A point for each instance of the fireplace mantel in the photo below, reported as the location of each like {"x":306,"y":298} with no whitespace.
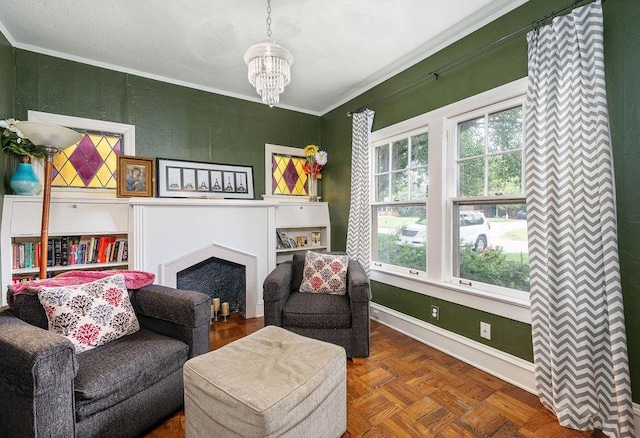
{"x":164,"y":229}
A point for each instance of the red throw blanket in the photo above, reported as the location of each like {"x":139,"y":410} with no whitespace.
{"x":132,"y":279}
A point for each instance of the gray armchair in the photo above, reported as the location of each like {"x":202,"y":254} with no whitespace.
{"x":340,"y":319}
{"x":119,"y":389}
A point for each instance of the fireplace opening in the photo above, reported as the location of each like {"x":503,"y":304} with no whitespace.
{"x":217,"y":278}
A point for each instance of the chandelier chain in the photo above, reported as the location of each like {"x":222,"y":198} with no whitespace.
{"x":269,"y":19}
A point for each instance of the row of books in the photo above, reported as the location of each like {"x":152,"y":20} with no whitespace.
{"x":71,"y":250}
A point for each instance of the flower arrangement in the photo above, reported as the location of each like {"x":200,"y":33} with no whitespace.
{"x":316,"y":160}
{"x":14,"y":141}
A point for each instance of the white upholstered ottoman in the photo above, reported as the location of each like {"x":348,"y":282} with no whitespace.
{"x":270,"y":383}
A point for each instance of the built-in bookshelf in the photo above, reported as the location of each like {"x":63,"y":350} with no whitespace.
{"x":83,"y":234}
{"x":302,"y":227}
{"x":69,"y":252}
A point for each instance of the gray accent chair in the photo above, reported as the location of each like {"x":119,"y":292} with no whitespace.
{"x":120,"y":389}
{"x":340,"y":319}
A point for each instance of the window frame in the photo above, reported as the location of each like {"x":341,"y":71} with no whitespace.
{"x":129,"y":136}
{"x":269,"y":151}
{"x":374,"y":204}
{"x":437,"y":282}
{"x":454,"y":199}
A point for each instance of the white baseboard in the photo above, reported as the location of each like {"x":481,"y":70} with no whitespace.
{"x":509,"y":368}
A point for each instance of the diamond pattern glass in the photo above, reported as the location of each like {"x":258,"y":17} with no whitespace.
{"x":91,"y":163}
{"x":288,"y":175}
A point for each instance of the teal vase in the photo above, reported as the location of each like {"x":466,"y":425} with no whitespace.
{"x":25,"y":181}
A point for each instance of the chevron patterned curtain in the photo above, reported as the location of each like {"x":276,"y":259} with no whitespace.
{"x":359,"y":226}
{"x":579,"y":338}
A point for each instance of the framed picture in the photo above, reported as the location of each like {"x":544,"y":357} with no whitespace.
{"x":194,"y":179}
{"x":136,"y":176}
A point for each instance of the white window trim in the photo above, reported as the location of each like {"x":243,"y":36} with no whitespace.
{"x":452,"y":137}
{"x":128,"y":132}
{"x":438,"y":280}
{"x":269,"y":150}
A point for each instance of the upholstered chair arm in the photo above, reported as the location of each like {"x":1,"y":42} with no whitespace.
{"x":181,"y":314}
{"x":358,"y":286}
{"x":276,"y":291}
{"x":36,"y":382}
{"x":359,"y":291}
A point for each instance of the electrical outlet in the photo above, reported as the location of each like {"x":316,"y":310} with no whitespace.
{"x":435,"y":313}
{"x":485,"y":330}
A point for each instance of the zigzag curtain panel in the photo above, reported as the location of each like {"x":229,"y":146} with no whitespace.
{"x":359,"y":225}
{"x":579,"y":338}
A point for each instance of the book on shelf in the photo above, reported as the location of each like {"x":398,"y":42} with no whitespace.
{"x":125,"y":251}
{"x":57,"y":251}
{"x":103,"y":248}
{"x":85,"y":249}
{"x":38,"y":254}
{"x":120,"y":244}
{"x":50,"y":252}
{"x":64,"y":250}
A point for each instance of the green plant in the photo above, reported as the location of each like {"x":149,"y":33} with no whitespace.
{"x":389,"y":251}
{"x":14,"y":141}
{"x":492,"y":266}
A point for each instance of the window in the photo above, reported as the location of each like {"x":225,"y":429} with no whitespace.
{"x":448,"y":209}
{"x":489,"y":234}
{"x":284,"y":171}
{"x":89,"y":167}
{"x":401,"y":181}
{"x":91,"y":163}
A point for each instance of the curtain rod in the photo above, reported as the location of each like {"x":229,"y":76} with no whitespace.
{"x":436,"y":73}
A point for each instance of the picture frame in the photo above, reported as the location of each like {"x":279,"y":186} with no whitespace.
{"x":197,"y":179}
{"x":136,"y":177}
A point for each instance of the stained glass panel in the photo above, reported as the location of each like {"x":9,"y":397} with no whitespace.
{"x":288,"y":175}
{"x":91,"y":163}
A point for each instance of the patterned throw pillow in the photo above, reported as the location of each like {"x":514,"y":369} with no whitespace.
{"x":90,"y":314}
{"x":324,"y":273}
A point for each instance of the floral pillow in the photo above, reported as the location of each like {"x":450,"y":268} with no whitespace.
{"x":90,"y":314}
{"x":325,"y":273}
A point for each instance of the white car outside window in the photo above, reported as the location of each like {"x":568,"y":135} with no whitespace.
{"x":474,"y":230}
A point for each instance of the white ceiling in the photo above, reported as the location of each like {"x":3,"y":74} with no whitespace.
{"x":341,"y":47}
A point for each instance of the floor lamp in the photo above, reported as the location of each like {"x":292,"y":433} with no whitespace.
{"x":51,"y":139}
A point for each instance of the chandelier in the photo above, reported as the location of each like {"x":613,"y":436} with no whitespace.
{"x":269,"y":66}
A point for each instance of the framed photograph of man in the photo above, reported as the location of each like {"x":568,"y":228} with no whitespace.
{"x":194,"y":179}
{"x":136,"y":176}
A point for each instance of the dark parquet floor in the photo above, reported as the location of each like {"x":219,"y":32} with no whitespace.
{"x":408,"y":389}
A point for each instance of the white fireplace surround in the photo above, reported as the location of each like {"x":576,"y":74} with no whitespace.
{"x":168,"y":274}
{"x":163,"y":231}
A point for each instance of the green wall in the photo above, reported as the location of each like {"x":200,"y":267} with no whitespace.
{"x":7,"y":93}
{"x":171,"y":121}
{"x":499,"y":65}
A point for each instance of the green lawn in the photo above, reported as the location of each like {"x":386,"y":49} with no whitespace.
{"x":519,"y":234}
{"x":395,"y":221}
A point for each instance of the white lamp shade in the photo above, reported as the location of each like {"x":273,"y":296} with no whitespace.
{"x":45,"y":134}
